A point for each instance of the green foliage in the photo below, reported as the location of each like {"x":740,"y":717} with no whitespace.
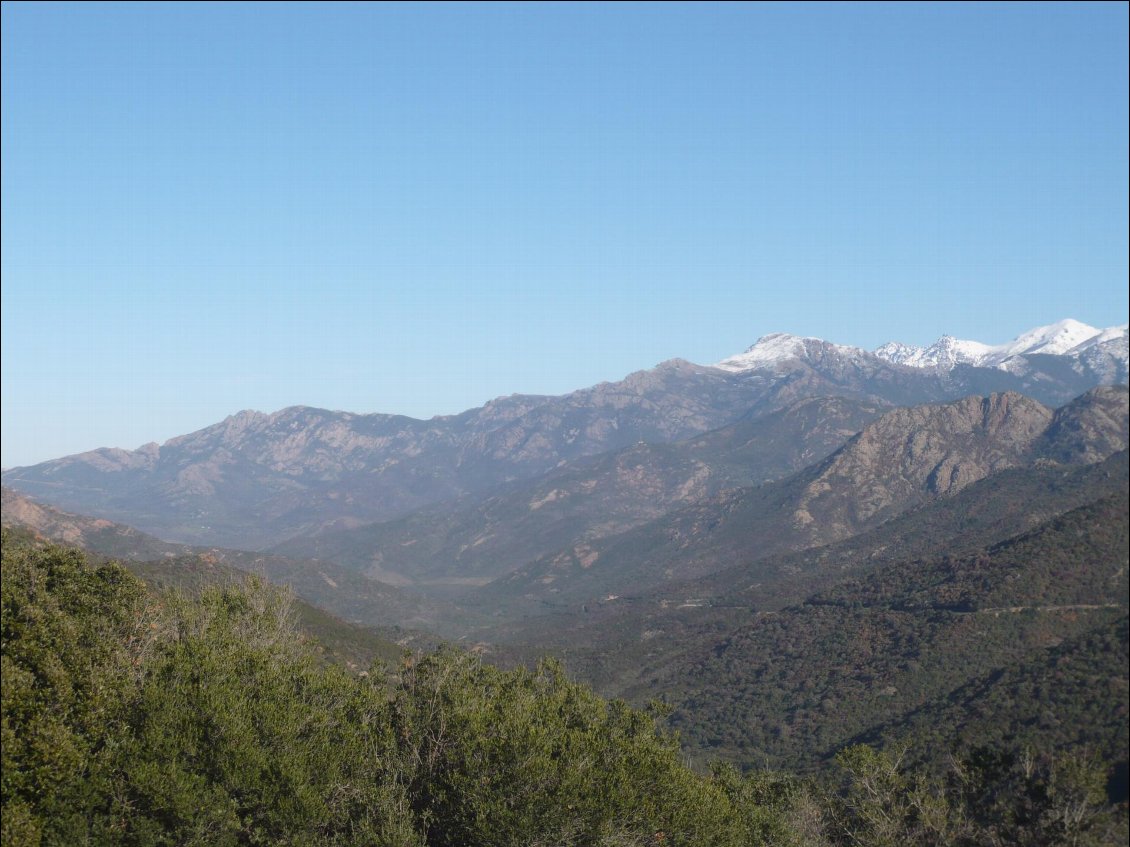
{"x":528,"y":757}
{"x":881,"y":805}
{"x":1073,"y":696}
{"x":992,"y":796}
{"x":72,"y":637}
{"x":241,"y":736}
{"x":211,"y":720}
{"x":206,"y":721}
{"x":776,"y":808}
{"x":1025,"y":798}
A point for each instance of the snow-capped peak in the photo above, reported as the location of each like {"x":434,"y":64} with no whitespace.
{"x":946,"y":352}
{"x":1054,"y":340}
{"x":1113,"y":333}
{"x":779,"y":347}
{"x":1066,"y":337}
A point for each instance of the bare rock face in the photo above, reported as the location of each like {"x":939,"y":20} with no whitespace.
{"x":1089,"y":428}
{"x":910,"y":454}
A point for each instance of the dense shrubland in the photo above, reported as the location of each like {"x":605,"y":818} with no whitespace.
{"x":130,"y":718}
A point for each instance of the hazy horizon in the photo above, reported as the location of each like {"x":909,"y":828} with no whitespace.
{"x":413,"y":209}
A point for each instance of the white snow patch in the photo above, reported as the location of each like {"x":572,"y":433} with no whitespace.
{"x":1099,"y":348}
{"x":1064,"y":338}
{"x":780,"y":347}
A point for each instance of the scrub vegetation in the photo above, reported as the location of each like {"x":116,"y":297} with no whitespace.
{"x":133,"y":717}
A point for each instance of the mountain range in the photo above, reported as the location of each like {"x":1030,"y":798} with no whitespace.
{"x":1102,"y":352}
{"x":904,"y":460}
{"x":800,"y":547}
{"x":1098,"y":353}
{"x":256,"y":480}
{"x":942,"y":610}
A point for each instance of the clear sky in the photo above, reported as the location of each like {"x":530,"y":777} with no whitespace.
{"x":416,"y":208}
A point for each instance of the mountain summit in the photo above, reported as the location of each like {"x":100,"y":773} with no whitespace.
{"x":779,"y":347}
{"x":1099,"y":355}
{"x":1069,"y":338}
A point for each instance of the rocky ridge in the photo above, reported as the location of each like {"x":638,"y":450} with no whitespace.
{"x":255,"y":479}
{"x":902,"y":461}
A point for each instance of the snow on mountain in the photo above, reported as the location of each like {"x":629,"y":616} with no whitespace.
{"x":1054,"y":340}
{"x":779,"y":347}
{"x":897,"y":352}
{"x":1107,"y":355}
{"x":1064,"y":338}
{"x":1114,"y":333}
{"x":946,"y":352}
{"x":1100,"y":350}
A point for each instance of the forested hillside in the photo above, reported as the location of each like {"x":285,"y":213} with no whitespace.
{"x":129,"y":718}
{"x":919,"y":638}
{"x":138,"y":718}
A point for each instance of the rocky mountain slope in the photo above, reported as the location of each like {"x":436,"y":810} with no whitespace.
{"x":789,"y":658}
{"x":654,"y":622}
{"x":472,"y":543}
{"x":903,"y":460}
{"x":258,"y":479}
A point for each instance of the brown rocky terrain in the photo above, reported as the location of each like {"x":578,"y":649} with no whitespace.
{"x":904,"y":460}
{"x":472,"y":542}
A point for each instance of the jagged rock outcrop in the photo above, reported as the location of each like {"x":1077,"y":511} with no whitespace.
{"x":924,"y":451}
{"x":1089,"y":428}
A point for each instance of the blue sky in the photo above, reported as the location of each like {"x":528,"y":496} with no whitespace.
{"x":416,"y":208}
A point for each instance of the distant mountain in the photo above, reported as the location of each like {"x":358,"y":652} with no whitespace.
{"x":861,"y":639}
{"x":1101,"y":352}
{"x":338,"y":590}
{"x":255,"y":480}
{"x":258,"y":479}
{"x":1006,"y":504}
{"x":903,"y":460}
{"x":669,"y":616}
{"x":471,"y":543}
{"x":1068,"y":338}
